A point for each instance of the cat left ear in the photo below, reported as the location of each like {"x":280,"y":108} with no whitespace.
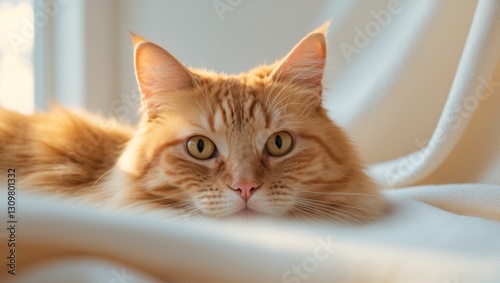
{"x":158,"y":74}
{"x":305,"y":64}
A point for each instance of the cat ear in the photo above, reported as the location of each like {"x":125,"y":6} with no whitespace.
{"x":158,"y":73}
{"x":305,"y":64}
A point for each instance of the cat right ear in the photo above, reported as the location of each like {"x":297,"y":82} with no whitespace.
{"x":158,"y":74}
{"x":305,"y":64}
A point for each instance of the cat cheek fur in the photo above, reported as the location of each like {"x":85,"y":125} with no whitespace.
{"x":322,"y":177}
{"x":171,"y":178}
{"x":272,"y":201}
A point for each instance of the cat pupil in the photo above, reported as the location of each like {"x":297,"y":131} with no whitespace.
{"x":200,"y":145}
{"x":278,"y":141}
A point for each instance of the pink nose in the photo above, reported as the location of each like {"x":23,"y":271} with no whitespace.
{"x":245,"y":189}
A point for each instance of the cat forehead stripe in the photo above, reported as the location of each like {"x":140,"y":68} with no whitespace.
{"x":319,"y":176}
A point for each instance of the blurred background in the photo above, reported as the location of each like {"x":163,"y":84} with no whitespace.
{"x":395,"y":69}
{"x":79,"y":53}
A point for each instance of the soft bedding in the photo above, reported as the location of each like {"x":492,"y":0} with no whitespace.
{"x":435,"y":152}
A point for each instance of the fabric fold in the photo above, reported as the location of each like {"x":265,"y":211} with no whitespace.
{"x":470,"y":87}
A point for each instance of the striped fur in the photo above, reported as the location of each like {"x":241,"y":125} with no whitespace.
{"x":321,"y":177}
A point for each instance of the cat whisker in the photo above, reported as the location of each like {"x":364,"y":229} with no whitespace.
{"x":346,"y":215}
{"x":309,"y":67}
{"x":349,"y":219}
{"x":274,"y":84}
{"x":375,"y":213}
{"x":339,"y":193}
{"x":281,"y":92}
{"x":98,"y":179}
{"x":272,"y":106}
{"x":279,"y":101}
{"x":328,"y":204}
{"x":326,"y":213}
{"x":299,"y":213}
{"x":203,"y":91}
{"x":289,"y":104}
{"x":163,"y":198}
{"x":326,"y":219}
{"x":195,"y":215}
{"x":325,"y":204}
{"x":320,"y":217}
{"x":227,"y":109}
{"x":177,"y":204}
{"x":268,"y":92}
{"x":184,"y":210}
{"x":187,"y":214}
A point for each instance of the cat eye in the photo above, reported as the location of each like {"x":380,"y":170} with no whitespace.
{"x":279,"y":143}
{"x":200,"y":147}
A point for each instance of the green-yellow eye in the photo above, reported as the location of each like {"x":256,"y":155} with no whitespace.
{"x":279,"y":143}
{"x":200,"y":147}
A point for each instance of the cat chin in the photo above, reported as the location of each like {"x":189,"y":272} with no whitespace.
{"x":244,"y":211}
{"x":246,"y":214}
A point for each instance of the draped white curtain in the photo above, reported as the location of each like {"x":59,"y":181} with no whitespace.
{"x":473,"y":86}
{"x":417,"y":85}
{"x":419,"y":96}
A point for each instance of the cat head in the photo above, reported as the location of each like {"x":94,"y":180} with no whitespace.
{"x":216,"y":144}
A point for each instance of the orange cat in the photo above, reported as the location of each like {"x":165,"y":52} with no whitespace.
{"x":208,"y":144}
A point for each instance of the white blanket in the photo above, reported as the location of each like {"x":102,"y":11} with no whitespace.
{"x":419,"y":93}
{"x":416,"y":242}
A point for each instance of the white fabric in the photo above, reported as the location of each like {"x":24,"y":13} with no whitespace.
{"x":479,"y":59}
{"x":416,"y":242}
{"x":423,"y":75}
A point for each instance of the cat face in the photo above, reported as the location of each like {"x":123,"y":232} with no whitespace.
{"x":216,"y":145}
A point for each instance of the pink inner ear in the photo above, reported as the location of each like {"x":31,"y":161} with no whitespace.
{"x":158,"y":73}
{"x":305,"y":64}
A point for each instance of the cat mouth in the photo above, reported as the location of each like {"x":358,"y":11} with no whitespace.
{"x":247,"y":212}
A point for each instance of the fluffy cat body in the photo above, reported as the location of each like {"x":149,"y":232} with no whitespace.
{"x":207,"y":144}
